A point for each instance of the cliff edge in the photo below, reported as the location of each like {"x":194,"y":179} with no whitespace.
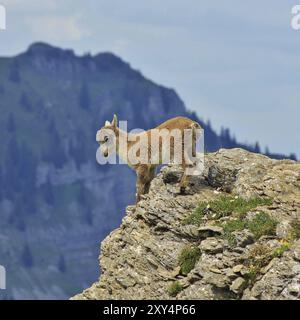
{"x":235,"y":235}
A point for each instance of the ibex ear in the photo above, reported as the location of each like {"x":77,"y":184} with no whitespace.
{"x":114,"y":121}
{"x":107,"y":124}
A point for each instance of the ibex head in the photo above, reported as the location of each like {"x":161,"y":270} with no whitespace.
{"x":107,"y":137}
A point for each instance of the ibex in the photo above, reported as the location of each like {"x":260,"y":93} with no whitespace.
{"x":111,"y":138}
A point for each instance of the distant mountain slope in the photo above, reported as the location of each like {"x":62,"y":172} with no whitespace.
{"x":55,"y":201}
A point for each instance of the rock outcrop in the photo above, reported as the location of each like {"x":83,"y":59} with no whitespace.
{"x":251,"y":251}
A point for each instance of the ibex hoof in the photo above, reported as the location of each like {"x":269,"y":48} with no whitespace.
{"x":182,"y":190}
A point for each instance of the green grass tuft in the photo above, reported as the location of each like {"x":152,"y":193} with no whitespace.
{"x":225,"y":206}
{"x":278,"y":252}
{"x":231,"y":226}
{"x":258,"y":257}
{"x":296,"y":233}
{"x":251,"y":275}
{"x":188,"y":258}
{"x":296,"y":228}
{"x":262,"y":224}
{"x":174,"y":288}
{"x":234,"y":225}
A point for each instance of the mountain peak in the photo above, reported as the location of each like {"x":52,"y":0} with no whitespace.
{"x":103,"y":60}
{"x":110,"y":59}
{"x":42,"y":48}
{"x":39,"y":46}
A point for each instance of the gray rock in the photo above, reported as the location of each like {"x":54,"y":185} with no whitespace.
{"x":139,"y":260}
{"x":216,"y":280}
{"x":243,"y":238}
{"x":212,"y":245}
{"x":283,"y":229}
{"x":170,"y":176}
{"x":238,"y":268}
{"x":297,"y":251}
{"x":238,"y":285}
{"x":294,"y":289}
{"x":190,"y":231}
{"x":219,"y":179}
{"x":209,"y":231}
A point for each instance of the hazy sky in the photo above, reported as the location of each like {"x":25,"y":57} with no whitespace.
{"x":235,"y":63}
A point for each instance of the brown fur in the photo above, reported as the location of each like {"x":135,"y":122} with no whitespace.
{"x":146,"y":172}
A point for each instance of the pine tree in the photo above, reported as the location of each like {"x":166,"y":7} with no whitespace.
{"x":267,"y":151}
{"x":25,"y":103}
{"x":88,"y":216}
{"x":257,"y":148}
{"x":1,"y":183}
{"x":21,"y":226}
{"x":62,"y":267}
{"x":78,"y":149}
{"x":84,"y":97}
{"x":55,"y":152}
{"x":27,"y":257}
{"x":27,"y":170}
{"x":11,"y":162}
{"x":225,"y":138}
{"x":293,"y":156}
{"x":11,"y":126}
{"x":81,"y":198}
{"x":16,"y":213}
{"x":48,"y":192}
{"x":30,"y":203}
{"x":14,"y":73}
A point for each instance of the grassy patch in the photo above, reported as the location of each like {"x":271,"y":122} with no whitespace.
{"x":278,"y":252}
{"x":225,"y":206}
{"x":251,"y":275}
{"x":234,"y":225}
{"x":188,"y":258}
{"x":231,"y":226}
{"x":296,"y":228}
{"x":197,"y":215}
{"x":174,"y":288}
{"x":262,"y":224}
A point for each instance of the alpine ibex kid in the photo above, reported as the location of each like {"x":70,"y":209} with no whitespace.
{"x":180,"y":135}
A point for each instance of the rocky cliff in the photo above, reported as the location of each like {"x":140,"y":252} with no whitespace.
{"x":235,"y":235}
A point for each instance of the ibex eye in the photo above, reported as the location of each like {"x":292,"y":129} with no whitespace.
{"x":105,"y":138}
